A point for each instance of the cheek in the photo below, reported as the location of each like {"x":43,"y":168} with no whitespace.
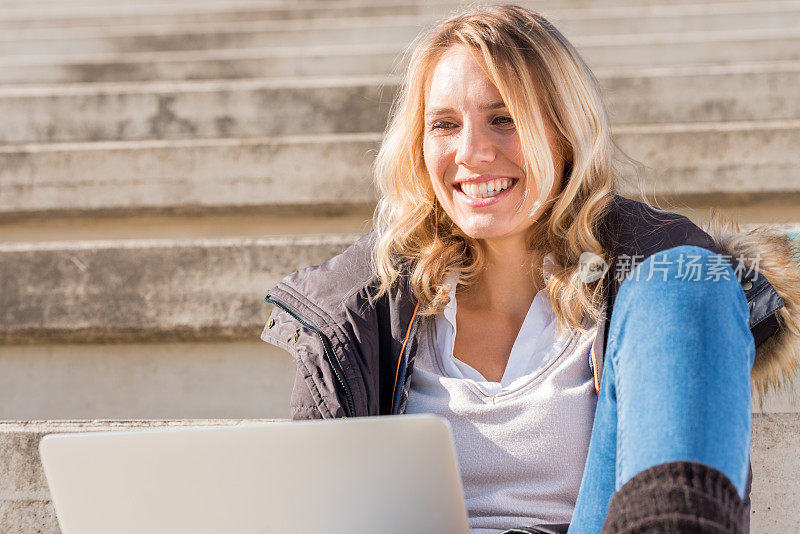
{"x":513,"y":150}
{"x":429,"y":156}
{"x":435,"y":157}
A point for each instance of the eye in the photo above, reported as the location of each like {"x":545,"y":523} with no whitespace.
{"x":504,"y":120}
{"x":441,"y":125}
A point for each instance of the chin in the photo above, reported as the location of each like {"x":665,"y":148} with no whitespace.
{"x":486,"y":232}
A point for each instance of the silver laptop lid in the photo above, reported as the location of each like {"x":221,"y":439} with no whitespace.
{"x":394,"y":474}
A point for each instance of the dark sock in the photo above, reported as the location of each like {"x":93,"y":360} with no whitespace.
{"x":676,"y":497}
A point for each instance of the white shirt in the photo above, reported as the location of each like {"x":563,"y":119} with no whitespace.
{"x":535,"y":345}
{"x":522,"y":450}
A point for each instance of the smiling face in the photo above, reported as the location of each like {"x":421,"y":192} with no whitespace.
{"x":473,"y":154}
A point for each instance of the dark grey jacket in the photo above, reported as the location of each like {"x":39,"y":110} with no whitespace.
{"x":355,"y":357}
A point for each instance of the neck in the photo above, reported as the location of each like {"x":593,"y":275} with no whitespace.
{"x":506,"y":284}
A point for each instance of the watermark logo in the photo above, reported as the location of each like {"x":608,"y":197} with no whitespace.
{"x":591,"y":267}
{"x":688,"y":267}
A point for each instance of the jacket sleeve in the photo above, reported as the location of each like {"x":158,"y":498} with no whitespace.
{"x":301,"y":403}
{"x":280,"y":331}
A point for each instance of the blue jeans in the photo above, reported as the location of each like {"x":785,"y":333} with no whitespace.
{"x":676,"y":379}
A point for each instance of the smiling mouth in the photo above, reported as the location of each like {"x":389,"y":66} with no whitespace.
{"x":486,"y":189}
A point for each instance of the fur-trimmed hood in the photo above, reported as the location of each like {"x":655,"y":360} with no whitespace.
{"x":764,"y":258}
{"x":768,"y":250}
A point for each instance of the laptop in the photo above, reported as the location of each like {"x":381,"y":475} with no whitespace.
{"x":389,"y":475}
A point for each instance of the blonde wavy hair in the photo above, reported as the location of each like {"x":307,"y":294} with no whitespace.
{"x":541,"y":77}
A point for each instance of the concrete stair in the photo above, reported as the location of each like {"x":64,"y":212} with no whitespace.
{"x":592,"y":17}
{"x":689,"y":48}
{"x":157,"y":289}
{"x":179,"y":35}
{"x":687,"y":159}
{"x":295,"y":106}
{"x":107,"y":185}
{"x":163,"y":163}
{"x":26,"y":504}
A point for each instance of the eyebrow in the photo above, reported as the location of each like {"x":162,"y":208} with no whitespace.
{"x":443,"y":110}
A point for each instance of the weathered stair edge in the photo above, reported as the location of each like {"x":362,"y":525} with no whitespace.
{"x":296,"y":106}
{"x":59,"y":17}
{"x":26,"y":508}
{"x":720,"y":158}
{"x":339,"y":60}
{"x":573,"y":22}
{"x":153,"y":290}
{"x":150,"y":290}
{"x":386,"y":33}
{"x":128,"y":8}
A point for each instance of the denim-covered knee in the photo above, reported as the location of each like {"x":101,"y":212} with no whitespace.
{"x":686,"y":285}
{"x":682,"y":352}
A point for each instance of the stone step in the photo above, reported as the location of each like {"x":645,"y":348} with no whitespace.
{"x":714,"y":159}
{"x":226,"y":108}
{"x":260,"y":223}
{"x":316,"y":171}
{"x":158,"y":379}
{"x":186,"y":13}
{"x":25,"y":498}
{"x":47,"y":14}
{"x":583,"y":21}
{"x":279,"y":62}
{"x":109,"y":6}
{"x":148,"y":380}
{"x":695,"y":48}
{"x":143,"y":14}
{"x":140,"y":290}
{"x":289,"y":106}
{"x":149,"y":290}
{"x":747,"y":209}
{"x":397,"y":30}
{"x":142,"y":329}
{"x":331,"y":171}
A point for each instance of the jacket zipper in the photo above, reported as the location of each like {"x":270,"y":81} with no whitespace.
{"x":327,"y":349}
{"x":412,"y":332}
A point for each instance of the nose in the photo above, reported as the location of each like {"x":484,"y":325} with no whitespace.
{"x":475,"y":147}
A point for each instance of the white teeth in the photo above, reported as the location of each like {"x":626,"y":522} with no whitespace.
{"x":486,"y":189}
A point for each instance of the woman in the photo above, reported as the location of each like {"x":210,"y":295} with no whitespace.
{"x":485,"y":295}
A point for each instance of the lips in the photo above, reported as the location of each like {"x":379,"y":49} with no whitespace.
{"x":478,"y":202}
